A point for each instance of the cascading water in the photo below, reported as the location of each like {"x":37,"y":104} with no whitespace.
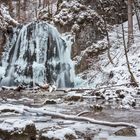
{"x":37,"y":53}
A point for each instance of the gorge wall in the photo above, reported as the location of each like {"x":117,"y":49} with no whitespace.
{"x":84,"y":19}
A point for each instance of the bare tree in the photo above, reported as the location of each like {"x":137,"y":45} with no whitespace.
{"x":130,"y":24}
{"x":107,"y":35}
{"x":18,"y":4}
{"x":39,"y":5}
{"x":25,"y":9}
{"x":10,"y":7}
{"x":137,"y":11}
{"x":133,"y":80}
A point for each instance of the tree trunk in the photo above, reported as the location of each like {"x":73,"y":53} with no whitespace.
{"x":10,"y":7}
{"x":39,"y":4}
{"x":130,"y":24}
{"x":18,"y":9}
{"x":137,"y":11}
{"x":24,"y":8}
{"x":133,"y":80}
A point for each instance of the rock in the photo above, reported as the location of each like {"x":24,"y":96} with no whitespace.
{"x":120,"y":94}
{"x":138,"y":92}
{"x":65,"y":134}
{"x":74,"y":98}
{"x":2,"y":42}
{"x":128,"y":100}
{"x":49,"y":102}
{"x":96,"y":108}
{"x":126,"y":132}
{"x":17,"y":130}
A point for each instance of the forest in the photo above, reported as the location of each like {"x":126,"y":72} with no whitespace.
{"x":69,"y":69}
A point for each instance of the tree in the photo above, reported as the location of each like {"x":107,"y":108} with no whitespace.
{"x":18,"y":4}
{"x":137,"y":11}
{"x":10,"y":7}
{"x":132,"y":78}
{"x":130,"y":24}
{"x":39,"y":5}
{"x":107,"y":35}
{"x":24,"y":8}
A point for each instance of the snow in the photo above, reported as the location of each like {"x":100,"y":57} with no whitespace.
{"x":60,"y":134}
{"x":99,"y":72}
{"x":100,"y":68}
{"x":74,"y":13}
{"x":6,"y":15}
{"x":17,"y":125}
{"x":97,"y":75}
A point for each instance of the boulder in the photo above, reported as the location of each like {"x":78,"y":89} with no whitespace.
{"x":126,"y":132}
{"x":74,"y":98}
{"x":17,"y":130}
{"x":65,"y":134}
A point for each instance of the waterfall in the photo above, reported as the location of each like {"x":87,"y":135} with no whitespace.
{"x":37,"y":54}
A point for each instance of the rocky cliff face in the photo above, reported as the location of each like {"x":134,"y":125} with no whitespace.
{"x":113,"y":11}
{"x":85,"y":19}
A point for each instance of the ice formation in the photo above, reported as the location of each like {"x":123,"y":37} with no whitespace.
{"x":37,"y":53}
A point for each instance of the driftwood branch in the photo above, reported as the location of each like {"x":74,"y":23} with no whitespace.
{"x":78,"y":118}
{"x":82,"y":113}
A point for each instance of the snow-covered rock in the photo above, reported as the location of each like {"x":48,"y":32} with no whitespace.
{"x":61,"y":134}
{"x":17,"y":129}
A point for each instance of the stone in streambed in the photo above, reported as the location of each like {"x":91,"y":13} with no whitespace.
{"x":126,"y":132}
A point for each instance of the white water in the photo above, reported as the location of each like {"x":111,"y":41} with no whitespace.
{"x":37,"y":53}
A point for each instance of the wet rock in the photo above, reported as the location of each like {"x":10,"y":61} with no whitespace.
{"x":74,"y":98}
{"x":138,"y":92}
{"x":126,"y":132}
{"x":8,"y":110}
{"x":17,"y":130}
{"x":49,"y":102}
{"x":120,"y":93}
{"x":96,"y":108}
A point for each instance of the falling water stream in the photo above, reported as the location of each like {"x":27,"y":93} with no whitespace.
{"x":37,"y":53}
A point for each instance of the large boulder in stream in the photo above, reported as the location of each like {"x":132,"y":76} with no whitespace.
{"x":126,"y":132}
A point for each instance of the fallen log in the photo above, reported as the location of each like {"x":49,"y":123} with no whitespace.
{"x":18,"y":88}
{"x":78,"y":118}
{"x":93,"y":89}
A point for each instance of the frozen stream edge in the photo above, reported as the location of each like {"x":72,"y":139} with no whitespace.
{"x":54,"y":124}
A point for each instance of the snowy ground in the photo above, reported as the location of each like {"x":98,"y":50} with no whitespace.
{"x":100,"y":67}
